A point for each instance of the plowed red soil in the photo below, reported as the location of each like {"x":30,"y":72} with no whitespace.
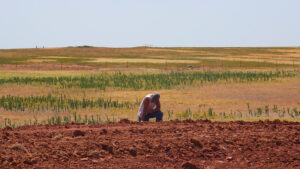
{"x":186,"y":144}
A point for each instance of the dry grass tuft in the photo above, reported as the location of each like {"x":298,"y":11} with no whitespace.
{"x":59,"y":136}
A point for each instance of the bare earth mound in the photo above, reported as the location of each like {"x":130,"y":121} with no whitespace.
{"x":187,"y":144}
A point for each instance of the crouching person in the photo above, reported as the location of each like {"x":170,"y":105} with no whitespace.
{"x":150,"y":108}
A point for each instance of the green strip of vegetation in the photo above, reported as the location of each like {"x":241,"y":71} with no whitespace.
{"x":259,"y":112}
{"x":58,"y":104}
{"x":253,"y":115}
{"x":149,"y":81}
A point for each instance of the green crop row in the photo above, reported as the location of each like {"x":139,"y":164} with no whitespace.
{"x":210,"y":114}
{"x":42,"y":103}
{"x":259,"y":112}
{"x":148,"y":81}
{"x":59,"y":120}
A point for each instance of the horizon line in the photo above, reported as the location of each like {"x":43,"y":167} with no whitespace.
{"x":148,"y":46}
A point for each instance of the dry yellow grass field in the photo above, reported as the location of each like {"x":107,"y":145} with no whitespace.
{"x":145,"y":57}
{"x":220,"y":96}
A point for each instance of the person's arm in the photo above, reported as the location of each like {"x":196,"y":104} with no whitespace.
{"x":157,"y":106}
{"x":144,"y":112}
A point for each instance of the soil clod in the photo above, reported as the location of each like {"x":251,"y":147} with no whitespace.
{"x":77,"y":133}
{"x":196,"y":142}
{"x":19,"y":147}
{"x":125,"y":121}
{"x":188,"y":165}
{"x":133,"y":152}
{"x":103,"y":131}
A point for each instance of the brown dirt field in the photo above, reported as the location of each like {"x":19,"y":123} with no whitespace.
{"x":175,"y":144}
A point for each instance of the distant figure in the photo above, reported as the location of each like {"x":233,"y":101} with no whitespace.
{"x":150,"y":108}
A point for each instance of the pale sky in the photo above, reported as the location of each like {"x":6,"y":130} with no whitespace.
{"x":128,"y":23}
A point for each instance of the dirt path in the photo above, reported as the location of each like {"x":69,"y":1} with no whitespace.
{"x":186,"y":144}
